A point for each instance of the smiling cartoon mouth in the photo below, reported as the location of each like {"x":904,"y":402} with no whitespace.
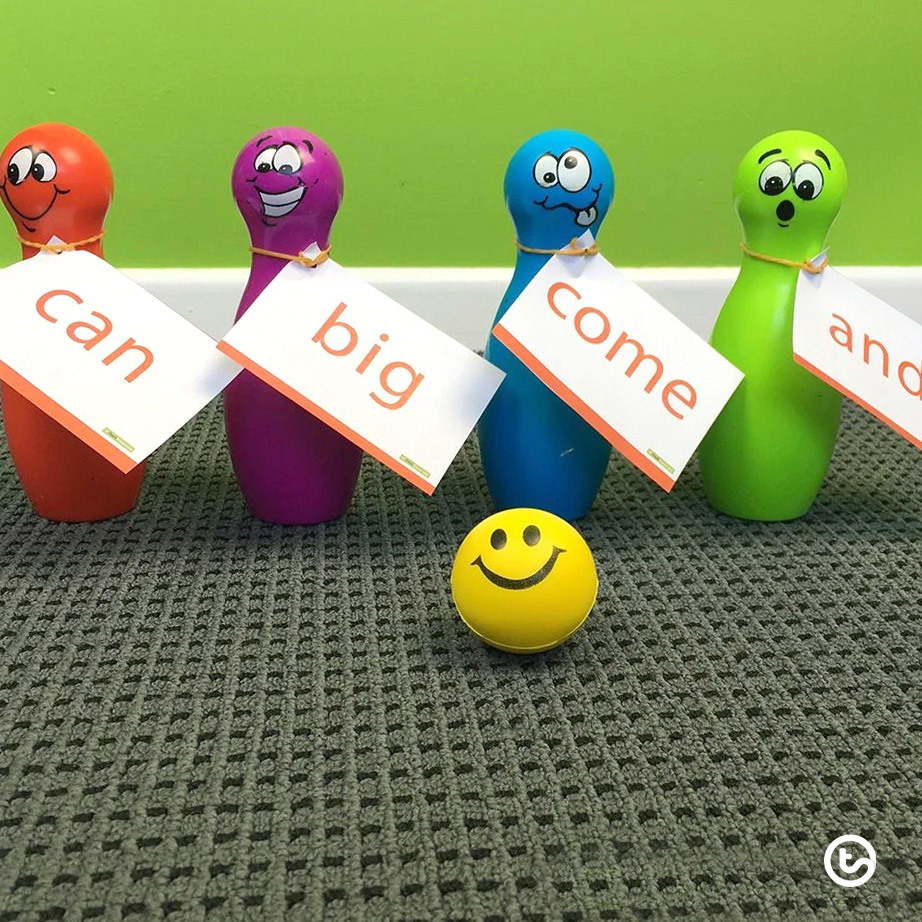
{"x":279,"y":204}
{"x":584,"y":217}
{"x":504,"y":582}
{"x":32,"y":218}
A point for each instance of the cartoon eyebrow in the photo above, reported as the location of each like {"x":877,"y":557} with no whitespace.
{"x":819,"y":153}
{"x":768,"y":153}
{"x":262,"y":141}
{"x":310,"y":146}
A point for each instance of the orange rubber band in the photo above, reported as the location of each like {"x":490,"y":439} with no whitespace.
{"x":310,"y":261}
{"x":806,"y":266}
{"x":571,"y":250}
{"x":61,"y":247}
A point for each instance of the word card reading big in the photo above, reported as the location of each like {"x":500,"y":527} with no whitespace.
{"x":630,"y":368}
{"x":862,"y":347}
{"x":368,"y":367}
{"x":101,"y":356}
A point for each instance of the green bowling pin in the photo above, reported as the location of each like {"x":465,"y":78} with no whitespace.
{"x":767,"y":454}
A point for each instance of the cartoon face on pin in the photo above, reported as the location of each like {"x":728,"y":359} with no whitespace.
{"x":286,"y":176}
{"x":790,"y":184}
{"x":558,"y":185}
{"x":49,"y":168}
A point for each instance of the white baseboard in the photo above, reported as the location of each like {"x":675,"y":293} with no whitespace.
{"x":462,"y":301}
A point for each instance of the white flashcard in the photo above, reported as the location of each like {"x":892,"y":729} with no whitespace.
{"x":387,"y":380}
{"x":101,"y":356}
{"x":863,"y":347}
{"x":629,"y":367}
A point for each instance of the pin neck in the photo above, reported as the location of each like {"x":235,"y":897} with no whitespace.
{"x":61,"y":247}
{"x":266,"y":263}
{"x":572,"y":249}
{"x":805,"y":265}
{"x":311,"y":262}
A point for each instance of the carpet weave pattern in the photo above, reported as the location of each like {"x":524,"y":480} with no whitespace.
{"x":206,"y":717}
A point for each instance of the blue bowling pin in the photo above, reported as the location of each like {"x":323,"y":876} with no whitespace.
{"x":536,"y":451}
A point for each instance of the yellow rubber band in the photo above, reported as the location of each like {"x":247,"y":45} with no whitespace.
{"x":310,"y":261}
{"x":806,"y":266}
{"x":61,"y":247}
{"x":571,"y":250}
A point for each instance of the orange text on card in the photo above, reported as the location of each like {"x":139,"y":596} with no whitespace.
{"x":57,"y":305}
{"x":875,"y":354}
{"x":398,"y":380}
{"x":593,"y":326}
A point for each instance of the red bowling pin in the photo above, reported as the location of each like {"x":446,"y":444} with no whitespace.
{"x":56,"y":182}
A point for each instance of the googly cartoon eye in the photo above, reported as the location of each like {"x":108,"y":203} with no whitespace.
{"x":808,"y":181}
{"x":19,"y":166}
{"x":263,"y":161}
{"x":498,"y":539}
{"x":44,"y":169}
{"x":574,"y":170}
{"x":775,"y":177}
{"x":546,"y":171}
{"x":532,"y":535}
{"x":287,"y":159}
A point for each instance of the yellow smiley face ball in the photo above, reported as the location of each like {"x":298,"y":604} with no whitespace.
{"x":524,"y":580}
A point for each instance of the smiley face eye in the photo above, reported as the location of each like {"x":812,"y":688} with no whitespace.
{"x":574,"y":170}
{"x":546,"y":171}
{"x":20,"y":165}
{"x":287,"y":160}
{"x":498,"y":539}
{"x":532,"y":535}
{"x":808,"y":181}
{"x":263,"y":161}
{"x":44,"y":169}
{"x":775,"y":178}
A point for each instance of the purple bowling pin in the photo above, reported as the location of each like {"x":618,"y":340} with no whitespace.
{"x":292,"y":468}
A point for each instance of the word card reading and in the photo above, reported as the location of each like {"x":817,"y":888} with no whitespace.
{"x":863,"y":347}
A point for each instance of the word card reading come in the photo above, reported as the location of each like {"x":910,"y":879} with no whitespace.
{"x":629,"y":367}
{"x":102,"y":357}
{"x":862,"y":347}
{"x":404,"y":391}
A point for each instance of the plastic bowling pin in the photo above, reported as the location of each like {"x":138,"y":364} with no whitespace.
{"x":536,"y":451}
{"x":292,"y":468}
{"x":767,"y":454}
{"x":56,"y":182}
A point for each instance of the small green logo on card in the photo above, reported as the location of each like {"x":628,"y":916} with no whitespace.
{"x":414,"y":466}
{"x":663,"y":464}
{"x":118,"y":439}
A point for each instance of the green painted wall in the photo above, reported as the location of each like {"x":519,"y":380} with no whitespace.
{"x":425,"y":101}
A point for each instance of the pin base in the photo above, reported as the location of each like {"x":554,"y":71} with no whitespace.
{"x":293,"y":469}
{"x":761,"y":512}
{"x":64,"y":479}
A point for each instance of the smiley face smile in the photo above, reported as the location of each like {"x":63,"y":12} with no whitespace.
{"x":279,"y":204}
{"x":504,"y":582}
{"x":32,"y":218}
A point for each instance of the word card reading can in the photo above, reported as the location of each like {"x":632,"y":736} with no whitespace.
{"x":103,"y":357}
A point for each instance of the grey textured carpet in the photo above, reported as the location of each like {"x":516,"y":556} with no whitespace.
{"x":206,"y":717}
